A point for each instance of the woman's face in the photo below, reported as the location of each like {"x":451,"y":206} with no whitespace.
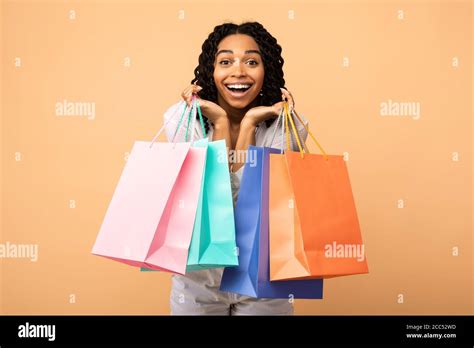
{"x":238,"y":71}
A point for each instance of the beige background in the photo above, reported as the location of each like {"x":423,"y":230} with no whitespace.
{"x":409,"y":249}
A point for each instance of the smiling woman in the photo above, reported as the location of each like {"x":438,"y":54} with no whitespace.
{"x":240,"y":87}
{"x":238,"y":73}
{"x":242,"y":54}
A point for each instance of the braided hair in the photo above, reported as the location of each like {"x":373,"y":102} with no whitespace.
{"x":271,"y":57}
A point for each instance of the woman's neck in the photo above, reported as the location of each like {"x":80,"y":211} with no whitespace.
{"x":234,"y":115}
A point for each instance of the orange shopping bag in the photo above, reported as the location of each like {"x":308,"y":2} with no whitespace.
{"x":314,"y":228}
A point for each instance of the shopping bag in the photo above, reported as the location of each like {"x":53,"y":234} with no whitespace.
{"x":252,"y":276}
{"x":213,"y":238}
{"x":314,"y":228}
{"x":213,"y":243}
{"x":150,"y":218}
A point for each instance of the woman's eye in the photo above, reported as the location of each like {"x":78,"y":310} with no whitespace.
{"x":227,"y":62}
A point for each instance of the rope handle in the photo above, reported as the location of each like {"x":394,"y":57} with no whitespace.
{"x":192,"y":111}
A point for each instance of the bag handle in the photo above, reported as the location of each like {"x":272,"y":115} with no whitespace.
{"x":195,"y":108}
{"x":294,"y":113}
{"x":297,"y":137}
{"x":284,"y":117}
{"x":166,"y":123}
{"x":178,"y":127}
{"x":182,"y":103}
{"x":201,"y":121}
{"x":276,"y":125}
{"x":191,"y":111}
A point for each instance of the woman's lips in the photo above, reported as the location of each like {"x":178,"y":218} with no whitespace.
{"x":237,"y":95}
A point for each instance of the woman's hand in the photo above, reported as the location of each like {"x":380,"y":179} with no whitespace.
{"x":258,"y":114}
{"x":213,"y":112}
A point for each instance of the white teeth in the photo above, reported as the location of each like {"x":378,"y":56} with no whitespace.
{"x":238,"y":86}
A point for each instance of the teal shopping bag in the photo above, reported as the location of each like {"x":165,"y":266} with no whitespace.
{"x":213,"y":242}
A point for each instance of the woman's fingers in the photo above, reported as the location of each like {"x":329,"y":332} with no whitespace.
{"x":187,"y":94}
{"x":193,"y":90}
{"x":286,"y":95}
{"x":279,"y":106}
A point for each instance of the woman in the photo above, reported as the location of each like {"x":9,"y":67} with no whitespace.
{"x":238,"y":84}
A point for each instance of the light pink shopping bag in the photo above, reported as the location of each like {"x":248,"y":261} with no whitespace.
{"x":150,"y":219}
{"x":169,"y":249}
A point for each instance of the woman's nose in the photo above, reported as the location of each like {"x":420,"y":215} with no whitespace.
{"x":237,"y":68}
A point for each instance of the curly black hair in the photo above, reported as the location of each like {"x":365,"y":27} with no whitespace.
{"x":271,"y":57}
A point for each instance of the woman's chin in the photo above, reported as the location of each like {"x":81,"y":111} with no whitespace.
{"x":239,"y":103}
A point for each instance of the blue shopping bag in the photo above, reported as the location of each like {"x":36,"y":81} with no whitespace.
{"x":252,"y":276}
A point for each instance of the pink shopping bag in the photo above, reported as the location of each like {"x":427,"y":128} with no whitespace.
{"x":150,"y":219}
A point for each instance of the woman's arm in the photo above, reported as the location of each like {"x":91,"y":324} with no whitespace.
{"x":222,"y":130}
{"x":245,"y":139}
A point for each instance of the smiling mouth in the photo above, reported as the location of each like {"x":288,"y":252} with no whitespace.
{"x":238,"y":91}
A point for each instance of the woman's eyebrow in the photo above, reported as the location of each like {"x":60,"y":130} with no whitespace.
{"x":230,"y":51}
